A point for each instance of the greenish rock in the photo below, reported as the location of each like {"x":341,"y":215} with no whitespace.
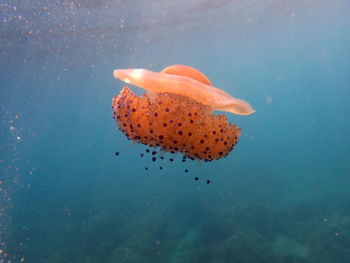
{"x":286,"y":247}
{"x":244,"y":246}
{"x":188,"y":249}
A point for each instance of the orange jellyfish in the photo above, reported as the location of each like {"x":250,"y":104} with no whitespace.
{"x":176,"y":114}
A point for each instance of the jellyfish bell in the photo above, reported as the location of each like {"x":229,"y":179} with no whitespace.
{"x":187,"y":71}
{"x":176,"y":114}
{"x":185,"y":81}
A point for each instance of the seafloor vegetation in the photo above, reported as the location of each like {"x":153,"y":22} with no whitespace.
{"x":250,"y":232}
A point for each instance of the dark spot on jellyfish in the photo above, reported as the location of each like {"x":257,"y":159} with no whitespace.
{"x":167,"y":109}
{"x":124,"y":124}
{"x":171,"y":159}
{"x":221,"y":153}
{"x":154,"y":159}
{"x":196,"y":178}
{"x":179,"y":124}
{"x":139,"y":125}
{"x":146,"y":168}
{"x":201,"y":141}
{"x":160,"y":167}
{"x":141,"y":154}
{"x":133,"y":109}
{"x":160,"y":102}
{"x":116,"y":153}
{"x":186,"y":170}
{"x":155,"y":114}
{"x":180,"y":133}
{"x":162,"y":158}
{"x":190,"y":134}
{"x":207,"y":148}
{"x":189,"y":114}
{"x":150,"y":131}
{"x":208,"y":181}
{"x":154,"y":153}
{"x":205,"y":136}
{"x":175,"y":141}
{"x":192,"y":147}
{"x":164,"y":124}
{"x":171,"y":121}
{"x":216,"y":140}
{"x":191,"y":121}
{"x":225,"y":143}
{"x":147,"y":150}
{"x":161,"y":137}
{"x":221,"y":130}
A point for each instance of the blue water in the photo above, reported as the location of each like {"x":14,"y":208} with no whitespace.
{"x":282,"y":195}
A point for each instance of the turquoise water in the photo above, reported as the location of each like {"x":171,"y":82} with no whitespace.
{"x":282,"y":195}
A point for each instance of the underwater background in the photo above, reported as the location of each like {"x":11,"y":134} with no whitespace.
{"x":282,"y":194}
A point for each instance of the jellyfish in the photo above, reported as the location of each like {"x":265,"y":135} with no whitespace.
{"x":176,"y":112}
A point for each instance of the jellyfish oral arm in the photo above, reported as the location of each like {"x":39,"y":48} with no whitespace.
{"x":215,"y":98}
